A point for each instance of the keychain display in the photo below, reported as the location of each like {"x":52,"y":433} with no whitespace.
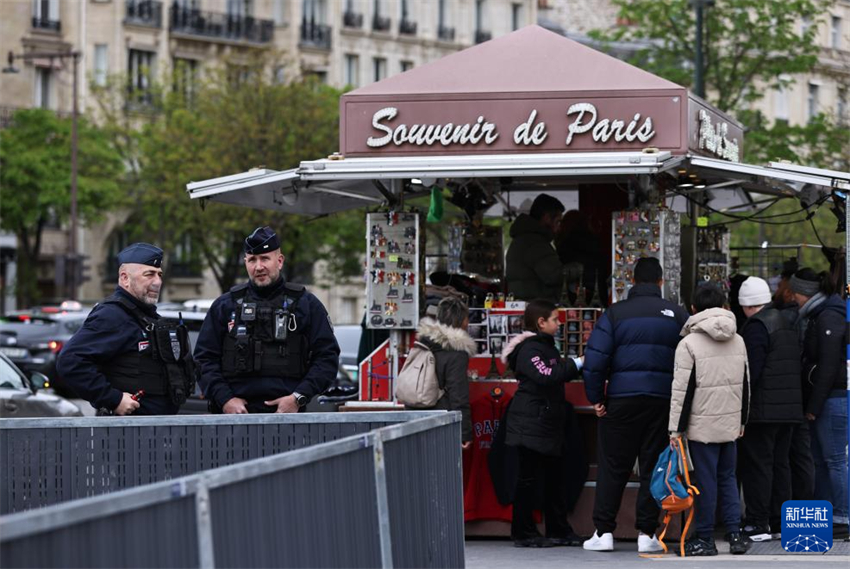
{"x":713,"y":256}
{"x":393,"y":267}
{"x":636,"y":234}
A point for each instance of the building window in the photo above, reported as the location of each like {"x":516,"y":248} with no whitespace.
{"x":805,"y":25}
{"x":780,"y":103}
{"x":45,"y":15}
{"x":43,"y":84}
{"x":835,"y":33}
{"x":101,"y":64}
{"x":812,"y":102}
{"x":380,"y":66}
{"x":140,"y":69}
{"x":516,"y":16}
{"x":379,"y":23}
{"x":841,"y":108}
{"x":240,"y":8}
{"x":406,"y":66}
{"x":481,"y":33}
{"x":185,"y":78}
{"x":352,"y":70}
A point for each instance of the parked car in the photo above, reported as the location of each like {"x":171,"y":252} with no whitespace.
{"x":348,"y":338}
{"x":22,"y":396}
{"x":33,"y":339}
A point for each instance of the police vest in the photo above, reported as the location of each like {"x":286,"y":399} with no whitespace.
{"x":163,"y":366}
{"x":265,"y":337}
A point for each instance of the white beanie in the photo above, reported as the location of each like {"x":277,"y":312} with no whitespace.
{"x":754,"y":292}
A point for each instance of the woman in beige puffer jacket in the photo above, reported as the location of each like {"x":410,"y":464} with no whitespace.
{"x":709,"y":404}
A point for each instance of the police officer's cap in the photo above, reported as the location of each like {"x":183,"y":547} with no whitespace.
{"x":142,"y":254}
{"x":262,"y":240}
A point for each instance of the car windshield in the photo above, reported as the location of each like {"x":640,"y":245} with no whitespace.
{"x":9,"y":376}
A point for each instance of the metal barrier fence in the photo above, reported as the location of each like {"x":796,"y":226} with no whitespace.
{"x":391,"y":497}
{"x":48,"y":461}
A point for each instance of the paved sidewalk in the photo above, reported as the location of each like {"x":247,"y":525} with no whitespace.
{"x":501,"y":554}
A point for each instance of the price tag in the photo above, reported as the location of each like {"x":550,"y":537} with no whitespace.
{"x":702,"y":221}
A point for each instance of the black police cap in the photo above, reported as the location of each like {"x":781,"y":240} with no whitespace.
{"x":262,"y":240}
{"x":142,"y":254}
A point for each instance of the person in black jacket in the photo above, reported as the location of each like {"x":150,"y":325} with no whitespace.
{"x":535,"y":424}
{"x":628,"y":377}
{"x":823,"y":322}
{"x":775,"y":407}
{"x":447,"y":339}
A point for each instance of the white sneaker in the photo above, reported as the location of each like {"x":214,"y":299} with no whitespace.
{"x":648,"y":544}
{"x":605,"y":542}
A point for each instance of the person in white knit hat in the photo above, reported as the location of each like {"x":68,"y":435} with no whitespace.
{"x":776,"y":405}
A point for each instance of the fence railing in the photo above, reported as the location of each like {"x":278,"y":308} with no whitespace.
{"x":390,"y":497}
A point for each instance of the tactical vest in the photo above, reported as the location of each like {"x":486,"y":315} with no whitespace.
{"x":778,"y":395}
{"x":162,"y":365}
{"x":265,"y":337}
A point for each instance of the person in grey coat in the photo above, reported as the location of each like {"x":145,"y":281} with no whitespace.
{"x":533,"y":269}
{"x":447,"y":339}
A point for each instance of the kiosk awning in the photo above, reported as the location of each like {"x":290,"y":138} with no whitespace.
{"x":331,"y":185}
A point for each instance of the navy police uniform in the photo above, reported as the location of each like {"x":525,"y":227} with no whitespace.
{"x":124,"y":346}
{"x":262,"y":343}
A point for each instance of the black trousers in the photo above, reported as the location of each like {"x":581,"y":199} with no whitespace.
{"x":541,"y":485}
{"x":634,"y":428}
{"x":801,"y":462}
{"x":764,"y":471}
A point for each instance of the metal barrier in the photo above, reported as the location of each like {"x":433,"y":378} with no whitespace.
{"x":391,"y":497}
{"x":48,"y":461}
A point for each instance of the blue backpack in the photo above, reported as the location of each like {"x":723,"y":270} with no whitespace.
{"x":672,"y":489}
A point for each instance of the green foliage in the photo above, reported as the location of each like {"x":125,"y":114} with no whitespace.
{"x":35,"y":182}
{"x":226,"y":127}
{"x":750,"y":47}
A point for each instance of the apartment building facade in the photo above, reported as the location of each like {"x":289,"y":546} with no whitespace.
{"x":343,"y":42}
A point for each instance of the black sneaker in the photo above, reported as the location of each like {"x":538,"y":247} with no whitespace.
{"x":700,"y":547}
{"x":840,"y":532}
{"x":536,"y":541}
{"x":570,"y":540}
{"x":757,"y":533}
{"x":738,"y":544}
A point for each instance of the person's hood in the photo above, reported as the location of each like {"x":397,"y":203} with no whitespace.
{"x":513,"y":345}
{"x":717,"y":323}
{"x":832,"y":302}
{"x":527,"y":225}
{"x":445,"y":337}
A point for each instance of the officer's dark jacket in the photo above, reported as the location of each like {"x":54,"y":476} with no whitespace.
{"x":633,"y":346}
{"x":824,"y":352}
{"x":108,"y":332}
{"x":537,"y":412}
{"x":774,"y":356}
{"x":312,"y":320}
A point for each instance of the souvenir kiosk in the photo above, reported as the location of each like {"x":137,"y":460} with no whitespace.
{"x":497,"y":123}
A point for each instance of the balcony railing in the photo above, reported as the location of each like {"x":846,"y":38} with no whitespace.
{"x":407,"y":27}
{"x":315,"y":35}
{"x":214,"y":25}
{"x":381,"y":23}
{"x":352,"y":20}
{"x":46,"y":24}
{"x":445,"y":33}
{"x":144,"y":13}
{"x":481,"y":36}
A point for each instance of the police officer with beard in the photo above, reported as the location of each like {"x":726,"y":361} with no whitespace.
{"x":266,"y":346}
{"x":125,"y":358}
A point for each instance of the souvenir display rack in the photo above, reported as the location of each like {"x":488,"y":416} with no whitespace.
{"x":392,"y":293}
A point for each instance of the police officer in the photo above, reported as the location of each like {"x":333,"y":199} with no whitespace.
{"x":125,"y":358}
{"x":266,"y":346}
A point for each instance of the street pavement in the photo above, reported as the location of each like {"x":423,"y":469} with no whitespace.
{"x":501,"y":554}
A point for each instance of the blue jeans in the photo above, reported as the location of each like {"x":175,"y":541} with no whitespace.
{"x":829,"y":450}
{"x":714,"y":475}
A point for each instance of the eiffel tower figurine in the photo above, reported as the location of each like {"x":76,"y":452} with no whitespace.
{"x":565,"y":290}
{"x":580,"y":296}
{"x":595,"y":301}
{"x":493,"y":373}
